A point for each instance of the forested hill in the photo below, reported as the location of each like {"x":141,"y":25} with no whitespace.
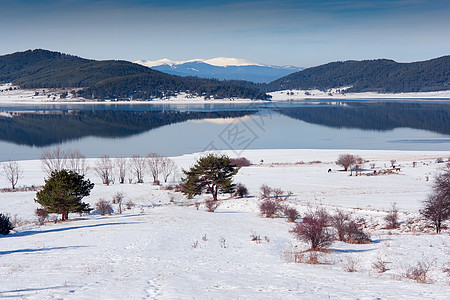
{"x":382,"y":75}
{"x":108,"y":79}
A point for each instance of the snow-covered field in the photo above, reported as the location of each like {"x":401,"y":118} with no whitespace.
{"x":166,"y":248}
{"x":29,"y":96}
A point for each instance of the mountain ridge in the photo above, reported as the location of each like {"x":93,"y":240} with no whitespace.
{"x":109,"y":79}
{"x":222,"y":68}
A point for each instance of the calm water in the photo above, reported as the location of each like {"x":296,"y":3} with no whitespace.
{"x":125,"y":130}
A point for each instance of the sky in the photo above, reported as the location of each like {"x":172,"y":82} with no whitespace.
{"x":277,"y":32}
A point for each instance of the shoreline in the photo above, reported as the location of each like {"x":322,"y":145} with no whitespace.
{"x":28,"y":96}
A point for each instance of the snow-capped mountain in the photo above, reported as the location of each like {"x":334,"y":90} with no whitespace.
{"x":223,"y":68}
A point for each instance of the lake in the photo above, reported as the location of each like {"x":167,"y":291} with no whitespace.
{"x":175,"y":129}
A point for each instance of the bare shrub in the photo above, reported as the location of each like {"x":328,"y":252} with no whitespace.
{"x":350,"y":265}
{"x":313,"y":230}
{"x":339,"y":221}
{"x":104,"y":207}
{"x":212,"y":205}
{"x":129,"y":204}
{"x":269,"y":208}
{"x":41,"y":215}
{"x":121,"y":164}
{"x":312,"y":259}
{"x":277,"y":192}
{"x":355,"y":234}
{"x":292,"y":214}
{"x":241,"y":190}
{"x":195,"y":245}
{"x":53,"y":160}
{"x":437,"y":205}
{"x":13,"y":172}
{"x":266,"y":191}
{"x":419,"y":272}
{"x":118,"y":199}
{"x":240,"y":162}
{"x":255,"y":238}
{"x":380,"y":265}
{"x":138,"y":165}
{"x":392,"y":218}
{"x":104,"y":169}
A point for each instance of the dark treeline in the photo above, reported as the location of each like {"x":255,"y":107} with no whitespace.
{"x":149,"y":86}
{"x":108,"y":79}
{"x":44,"y":129}
{"x":384,"y":76}
{"x":376,"y":116}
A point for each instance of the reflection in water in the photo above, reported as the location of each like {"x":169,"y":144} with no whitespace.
{"x":116,"y":130}
{"x":54,"y":127}
{"x":376,"y":116}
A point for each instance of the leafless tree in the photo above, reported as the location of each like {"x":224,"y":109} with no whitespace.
{"x":437,"y":205}
{"x":118,"y":199}
{"x":138,"y":164}
{"x":168,"y":167}
{"x":12,"y":172}
{"x":121,"y":165}
{"x":346,"y":161}
{"x":53,"y":160}
{"x":155,"y":163}
{"x":104,"y":169}
{"x":76,"y":162}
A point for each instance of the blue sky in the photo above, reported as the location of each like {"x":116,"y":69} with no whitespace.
{"x":283,"y":32}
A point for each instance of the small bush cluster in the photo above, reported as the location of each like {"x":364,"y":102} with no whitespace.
{"x":270,"y":208}
{"x":292,"y":214}
{"x":380,"y":265}
{"x":104,"y":207}
{"x":266,"y":191}
{"x":241,"y":190}
{"x":419,"y":272}
{"x":347,"y":229}
{"x":392,"y":218}
{"x":5,"y":225}
{"x":313,"y":230}
{"x":212,"y":205}
{"x":240,"y":162}
{"x":42,"y":215}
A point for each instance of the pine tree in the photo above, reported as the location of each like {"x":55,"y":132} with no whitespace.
{"x":212,"y":174}
{"x":62,"y":193}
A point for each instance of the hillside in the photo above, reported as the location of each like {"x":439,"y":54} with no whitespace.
{"x":107,"y":79}
{"x":380,"y":75}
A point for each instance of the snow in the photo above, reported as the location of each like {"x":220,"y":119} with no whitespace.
{"x":292,"y":95}
{"x":165,"y":248}
{"x":218,"y":62}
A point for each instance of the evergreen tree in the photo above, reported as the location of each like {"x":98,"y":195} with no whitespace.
{"x":5,"y":224}
{"x":62,"y":193}
{"x":212,"y":174}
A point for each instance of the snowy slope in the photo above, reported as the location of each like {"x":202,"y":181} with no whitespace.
{"x":164,"y":248}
